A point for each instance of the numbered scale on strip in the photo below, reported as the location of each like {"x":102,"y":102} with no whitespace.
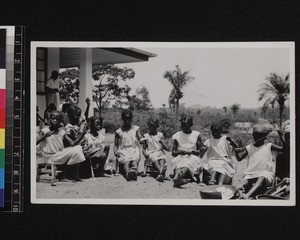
{"x":17,"y":194}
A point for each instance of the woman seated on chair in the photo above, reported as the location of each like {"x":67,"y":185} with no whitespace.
{"x":51,"y":148}
{"x":94,"y":147}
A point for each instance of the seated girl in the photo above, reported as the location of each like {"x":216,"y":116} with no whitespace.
{"x":47,"y":112}
{"x":186,"y":150}
{"x":153,"y":149}
{"x":126,"y":147}
{"x":260,"y":171}
{"x":51,"y":148}
{"x":218,"y":155}
{"x":75,"y":130}
{"x":93,"y":146}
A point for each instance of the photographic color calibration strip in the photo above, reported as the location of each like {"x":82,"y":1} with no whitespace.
{"x":13,"y":117}
{"x":2,"y":111}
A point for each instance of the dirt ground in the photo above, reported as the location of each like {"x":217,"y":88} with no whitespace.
{"x":116,"y":187}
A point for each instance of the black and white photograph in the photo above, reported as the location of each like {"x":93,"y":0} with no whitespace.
{"x":163,"y":123}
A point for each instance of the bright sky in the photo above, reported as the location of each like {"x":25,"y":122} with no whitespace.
{"x":223,"y":76}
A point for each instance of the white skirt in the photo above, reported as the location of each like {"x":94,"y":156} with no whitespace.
{"x":69,"y":156}
{"x":192,"y":162}
{"x":221,"y":166}
{"x":156,"y":155}
{"x":129,"y":154}
{"x":266,"y":174}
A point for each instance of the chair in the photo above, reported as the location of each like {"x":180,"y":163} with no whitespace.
{"x":150,"y":169}
{"x":50,"y":169}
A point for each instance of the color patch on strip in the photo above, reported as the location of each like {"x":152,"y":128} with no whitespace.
{"x":2,"y":158}
{"x":2,"y":98}
{"x":1,"y":178}
{"x":2,"y":118}
{"x":2,"y":138}
{"x":2,"y":78}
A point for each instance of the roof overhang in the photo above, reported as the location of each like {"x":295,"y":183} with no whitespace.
{"x":70,"y":57}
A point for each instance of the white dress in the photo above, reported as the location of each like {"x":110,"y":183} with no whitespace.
{"x":52,"y":150}
{"x":128,"y":147}
{"x":186,"y":142}
{"x":50,"y":145}
{"x":218,"y":156}
{"x":154,"y":148}
{"x":93,"y":145}
{"x":260,"y":162}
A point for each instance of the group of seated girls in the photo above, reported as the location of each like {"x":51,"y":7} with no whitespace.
{"x":70,"y":142}
{"x":210,"y":162}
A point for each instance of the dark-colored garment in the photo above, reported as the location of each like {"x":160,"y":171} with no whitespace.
{"x":283,"y":165}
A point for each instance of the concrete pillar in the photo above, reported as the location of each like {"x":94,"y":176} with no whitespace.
{"x":85,"y":79}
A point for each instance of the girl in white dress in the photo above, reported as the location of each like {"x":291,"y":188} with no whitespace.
{"x":260,"y":171}
{"x":52,"y":150}
{"x":126,"y":147}
{"x":94,"y":146}
{"x":186,"y":150}
{"x":153,"y":149}
{"x":218,"y":156}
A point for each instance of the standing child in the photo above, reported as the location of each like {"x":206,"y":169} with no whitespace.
{"x":186,"y":150}
{"x":126,"y":147}
{"x":51,"y":148}
{"x":153,"y":149}
{"x":260,"y":171}
{"x":94,"y":147}
{"x":219,"y":156}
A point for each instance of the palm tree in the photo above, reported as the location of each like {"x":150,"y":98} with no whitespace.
{"x":264,"y":110}
{"x":178,"y":79}
{"x":225,"y":109}
{"x":235,"y":108}
{"x":276,"y":90}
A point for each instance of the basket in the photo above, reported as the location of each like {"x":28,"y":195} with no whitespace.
{"x":218,"y":192}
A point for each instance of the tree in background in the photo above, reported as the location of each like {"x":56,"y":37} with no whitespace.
{"x":122,"y":100}
{"x":69,"y":85}
{"x":225,"y":109}
{"x":167,"y":124}
{"x":107,"y":78}
{"x":178,"y":80}
{"x":235,"y":108}
{"x":276,"y":90}
{"x":226,"y":124}
{"x":264,"y":110}
{"x":143,"y":95}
